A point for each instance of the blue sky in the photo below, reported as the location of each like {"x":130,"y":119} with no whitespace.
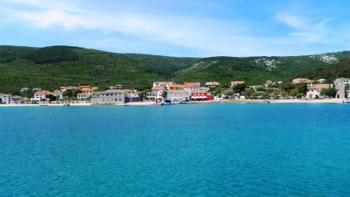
{"x":180,"y":27}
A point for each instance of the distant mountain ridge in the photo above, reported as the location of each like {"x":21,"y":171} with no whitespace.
{"x":55,"y":66}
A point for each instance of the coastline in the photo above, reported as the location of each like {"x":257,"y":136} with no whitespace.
{"x":241,"y":101}
{"x":45,"y":105}
{"x":302,"y":101}
{"x":276,"y":101}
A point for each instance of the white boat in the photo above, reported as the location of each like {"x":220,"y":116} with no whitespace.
{"x":168,"y":102}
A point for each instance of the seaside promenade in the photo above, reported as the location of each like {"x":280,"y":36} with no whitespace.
{"x":228,"y":101}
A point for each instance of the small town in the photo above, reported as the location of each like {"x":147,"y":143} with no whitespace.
{"x":299,"y":90}
{"x":174,"y":98}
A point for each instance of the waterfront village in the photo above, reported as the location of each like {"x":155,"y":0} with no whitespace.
{"x":167,"y":92}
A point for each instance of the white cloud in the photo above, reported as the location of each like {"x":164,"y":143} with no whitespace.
{"x":304,"y":28}
{"x":25,"y":2}
{"x":206,"y":36}
{"x":50,"y":18}
{"x":182,"y":31}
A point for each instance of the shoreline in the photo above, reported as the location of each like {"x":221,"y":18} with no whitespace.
{"x":243,"y":101}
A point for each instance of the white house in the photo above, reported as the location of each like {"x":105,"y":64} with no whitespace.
{"x":178,"y":95}
{"x":341,"y":84}
{"x":40,"y":96}
{"x":156,"y":94}
{"x":194,"y":87}
{"x":212,"y":84}
{"x":24,"y":90}
{"x":235,"y":83}
{"x":108,"y":97}
{"x":302,"y":80}
{"x":64,"y":88}
{"x":85,"y":94}
{"x":321,"y":80}
{"x":58,"y":94}
{"x":5,"y":99}
{"x":162,"y":84}
{"x":9,"y":99}
{"x":314,"y":90}
{"x":16,"y":99}
{"x":131,"y":95}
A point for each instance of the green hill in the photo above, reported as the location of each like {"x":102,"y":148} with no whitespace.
{"x":256,"y":70}
{"x":52,"y":67}
{"x":341,"y":69}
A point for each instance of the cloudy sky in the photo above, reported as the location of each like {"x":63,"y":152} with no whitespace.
{"x":180,"y":27}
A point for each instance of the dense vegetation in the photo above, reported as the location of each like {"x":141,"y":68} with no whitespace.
{"x":341,"y":69}
{"x":51,"y":67}
{"x":52,"y":55}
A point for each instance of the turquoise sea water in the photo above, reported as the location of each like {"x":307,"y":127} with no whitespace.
{"x":183,"y":150}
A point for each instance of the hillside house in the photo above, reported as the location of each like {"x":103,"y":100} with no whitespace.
{"x":212,"y":84}
{"x":235,"y":83}
{"x":162,"y":84}
{"x":302,"y":80}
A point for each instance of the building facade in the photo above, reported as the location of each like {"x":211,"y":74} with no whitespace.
{"x":108,"y":97}
{"x":131,"y":95}
{"x":41,"y":96}
{"x":314,"y":90}
{"x":5,"y":99}
{"x":178,"y":96}
{"x":212,"y":84}
{"x":58,"y":94}
{"x":342,"y":85}
{"x":156,"y":94}
{"x":201,"y":96}
{"x":302,"y":80}
{"x":235,"y":83}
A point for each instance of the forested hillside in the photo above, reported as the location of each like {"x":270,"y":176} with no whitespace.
{"x":52,"y":67}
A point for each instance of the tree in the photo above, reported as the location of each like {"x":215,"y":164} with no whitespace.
{"x":217,"y":91}
{"x":228,"y":92}
{"x":249,"y":93}
{"x":302,"y":89}
{"x":27,"y":94}
{"x":164,"y":93}
{"x":239,"y":88}
{"x":143,"y":94}
{"x":71,"y":93}
{"x":51,"y":98}
{"x":287,"y":88}
{"x":294,"y":92}
{"x":329,"y":92}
